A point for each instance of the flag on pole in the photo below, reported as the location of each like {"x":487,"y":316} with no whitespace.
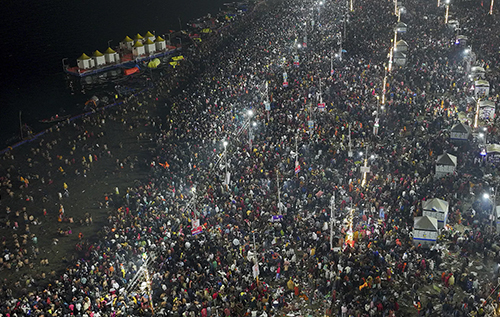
{"x":297,"y":167}
{"x":195,"y":227}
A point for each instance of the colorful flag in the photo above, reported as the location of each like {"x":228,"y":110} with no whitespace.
{"x":297,"y":167}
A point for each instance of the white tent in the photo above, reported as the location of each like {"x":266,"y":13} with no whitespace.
{"x":401,"y":46}
{"x":160,"y":44}
{"x":460,"y":131}
{"x":445,"y":164}
{"x":138,"y":49}
{"x":400,"y":27}
{"x":399,"y":58}
{"x":477,"y":72}
{"x":425,"y":231}
{"x":481,"y":88}
{"x":461,"y":40}
{"x":127,"y":43}
{"x":98,"y":58}
{"x":497,"y":220}
{"x":111,"y":56}
{"x":436,"y":208}
{"x":84,"y":62}
{"x":150,"y":46}
{"x":493,"y":152}
{"x":486,"y":110}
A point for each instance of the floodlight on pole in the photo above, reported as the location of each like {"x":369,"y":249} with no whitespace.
{"x":476,"y":117}
{"x":491,"y":7}
{"x":447,"y":11}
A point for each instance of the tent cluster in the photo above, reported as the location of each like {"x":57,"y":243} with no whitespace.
{"x":137,"y":47}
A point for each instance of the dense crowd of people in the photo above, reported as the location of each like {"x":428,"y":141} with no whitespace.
{"x":288,"y":224}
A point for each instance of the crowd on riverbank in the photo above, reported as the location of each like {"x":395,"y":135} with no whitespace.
{"x":272,"y":218}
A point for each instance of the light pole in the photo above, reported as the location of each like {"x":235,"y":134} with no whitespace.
{"x":493,"y":201}
{"x":250,"y":114}
{"x":476,"y":117}
{"x":250,"y":134}
{"x":377,"y":119}
{"x":365,"y":168}
{"x":332,"y":209}
{"x":279,"y":192}
{"x":384,"y":86}
{"x":447,"y":11}
{"x":225,"y":162}
{"x":491,"y":7}
{"x":390,"y":59}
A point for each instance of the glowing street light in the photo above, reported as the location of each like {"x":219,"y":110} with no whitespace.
{"x":476,"y":117}
{"x":491,"y":7}
{"x":447,"y":11}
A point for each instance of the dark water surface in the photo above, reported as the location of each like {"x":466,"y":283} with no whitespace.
{"x":37,"y":35}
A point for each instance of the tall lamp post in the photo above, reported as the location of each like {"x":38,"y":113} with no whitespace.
{"x":447,"y":11}
{"x":225,"y":162}
{"x":250,"y":115}
{"x":491,"y":7}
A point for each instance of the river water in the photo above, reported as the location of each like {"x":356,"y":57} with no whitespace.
{"x":37,"y":35}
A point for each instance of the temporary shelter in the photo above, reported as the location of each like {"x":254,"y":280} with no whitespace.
{"x":138,"y":49}
{"x":436,"y":208}
{"x":139,"y":38}
{"x":460,"y":131}
{"x":399,"y":58}
{"x":425,"y":231}
{"x":149,"y":46}
{"x":454,"y":24}
{"x":481,"y":88}
{"x":445,"y":164}
{"x":400,"y":27}
{"x":493,"y":152}
{"x":486,"y":110}
{"x":461,"y":40}
{"x":98,"y":58}
{"x":84,"y":62}
{"x":127,"y":43}
{"x":111,"y":56}
{"x":160,"y":44}
{"x":477,"y":72}
{"x":401,"y":46}
{"x":149,"y":36}
{"x":497,"y":219}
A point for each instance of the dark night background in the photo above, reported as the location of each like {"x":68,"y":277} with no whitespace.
{"x":37,"y":35}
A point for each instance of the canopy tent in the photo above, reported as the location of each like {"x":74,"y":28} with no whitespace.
{"x":400,"y":58}
{"x":445,"y":164}
{"x":486,"y":110}
{"x":454,"y":24}
{"x":400,"y":27}
{"x":98,"y":58}
{"x":461,"y":40}
{"x":493,"y":153}
{"x":127,"y":43}
{"x":425,"y":231}
{"x":436,"y":208}
{"x":160,"y":44}
{"x":401,"y":46}
{"x":497,"y":217}
{"x":138,"y":49}
{"x":493,"y":148}
{"x":111,"y":56}
{"x":481,"y":88}
{"x":477,"y":72}
{"x":460,"y":131}
{"x":149,"y":46}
